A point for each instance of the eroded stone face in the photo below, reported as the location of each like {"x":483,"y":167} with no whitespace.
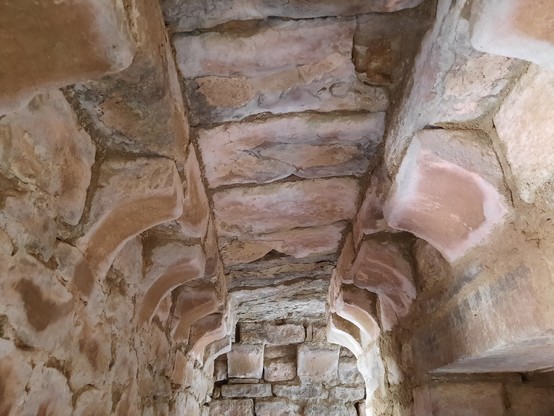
{"x":246,"y":361}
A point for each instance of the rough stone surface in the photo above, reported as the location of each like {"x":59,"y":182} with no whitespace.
{"x":266,"y":333}
{"x":525,"y":130}
{"x":317,"y":364}
{"x":280,"y":370}
{"x":277,"y":407}
{"x":241,"y":407}
{"x":246,"y":361}
{"x":246,"y":390}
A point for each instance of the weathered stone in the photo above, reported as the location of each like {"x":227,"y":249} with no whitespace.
{"x":516,"y":28}
{"x":280,"y":370}
{"x":267,"y":333}
{"x":297,"y":242}
{"x":311,"y":76}
{"x":92,"y":402}
{"x":448,"y":191}
{"x":198,"y":14}
{"x":193,"y":304}
{"x":207,"y":330}
{"x":246,"y":361}
{"x":531,"y":400}
{"x":347,"y":394}
{"x":242,"y":407}
{"x":272,"y":208}
{"x":317,"y":363}
{"x":282,"y":351}
{"x":95,"y":47}
{"x":308,"y":146}
{"x":123,"y":207}
{"x":348,"y":371}
{"x":220,"y":370}
{"x":450,"y":399}
{"x":300,"y":392}
{"x":48,"y":390}
{"x":525,"y":129}
{"x":246,"y":390}
{"x":15,"y":375}
{"x":277,"y":407}
{"x":330,"y":410}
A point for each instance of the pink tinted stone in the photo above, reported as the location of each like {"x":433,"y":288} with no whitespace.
{"x":525,"y":128}
{"x":342,"y":332}
{"x":308,"y":146}
{"x":448,"y":191}
{"x":317,"y":363}
{"x":246,"y":361}
{"x":87,"y":48}
{"x":232,"y":407}
{"x":517,"y":28}
{"x":272,"y":208}
{"x":193,"y":304}
{"x":206,"y":330}
{"x":132,"y":196}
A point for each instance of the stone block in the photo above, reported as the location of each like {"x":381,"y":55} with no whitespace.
{"x":348,"y":372}
{"x":85,"y":48}
{"x":307,"y":146}
{"x":525,"y":128}
{"x":246,"y":390}
{"x":198,"y":14}
{"x":277,"y":407}
{"x":241,"y":407}
{"x":246,"y":361}
{"x":347,"y":394}
{"x":330,"y":410}
{"x":516,"y":28}
{"x":448,"y":191}
{"x":271,"y":334}
{"x":272,"y":208}
{"x":453,"y":399}
{"x":317,"y":363}
{"x":530,"y":400}
{"x":300,"y":392}
{"x":280,"y":351}
{"x":220,"y":370}
{"x":316,"y":72}
{"x":279,"y":370}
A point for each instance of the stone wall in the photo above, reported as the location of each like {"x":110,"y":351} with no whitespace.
{"x":286,"y":369}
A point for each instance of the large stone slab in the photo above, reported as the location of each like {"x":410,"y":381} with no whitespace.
{"x":245,"y":361}
{"x":308,"y":146}
{"x":184,"y":16}
{"x":227,"y":81}
{"x":271,"y":208}
{"x":517,"y":28}
{"x":267,"y":333}
{"x":525,"y":128}
{"x":84,"y":40}
{"x":448,"y":191}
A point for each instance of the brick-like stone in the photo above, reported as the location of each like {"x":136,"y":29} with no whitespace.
{"x":242,"y":407}
{"x":96,"y":47}
{"x":272,"y":208}
{"x":452,"y":399}
{"x":246,"y":390}
{"x":448,"y":191}
{"x":319,"y":76}
{"x":530,"y":400}
{"x":308,"y":146}
{"x":198,"y":14}
{"x":517,"y":28}
{"x":317,"y":363}
{"x":347,"y":394}
{"x":300,"y":392}
{"x":277,"y":407}
{"x":220,"y":370}
{"x":280,"y":370}
{"x":246,"y":361}
{"x":525,"y":128}
{"x":271,"y":334}
{"x":330,"y":410}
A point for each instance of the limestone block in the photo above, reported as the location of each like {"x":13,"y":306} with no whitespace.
{"x":127,"y":107}
{"x":516,"y":28}
{"x":220,"y":370}
{"x":246,"y":361}
{"x":348,"y":371}
{"x":196,"y":209}
{"x":298,"y":243}
{"x":272,"y":208}
{"x":132,"y":196}
{"x":300,"y":392}
{"x":525,"y":128}
{"x":85,"y":48}
{"x":246,"y":390}
{"x":277,"y":407}
{"x":191,"y":305}
{"x":317,"y":363}
{"x":229,"y":407}
{"x":308,"y":146}
{"x":282,"y":351}
{"x":530,"y":400}
{"x":347,"y":394}
{"x":452,"y":399}
{"x":316,"y":72}
{"x":271,"y":334}
{"x":171,"y":265}
{"x":452,"y":82}
{"x":448,"y":191}
{"x":198,"y":14}
{"x":280,"y":370}
{"x":330,"y":410}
